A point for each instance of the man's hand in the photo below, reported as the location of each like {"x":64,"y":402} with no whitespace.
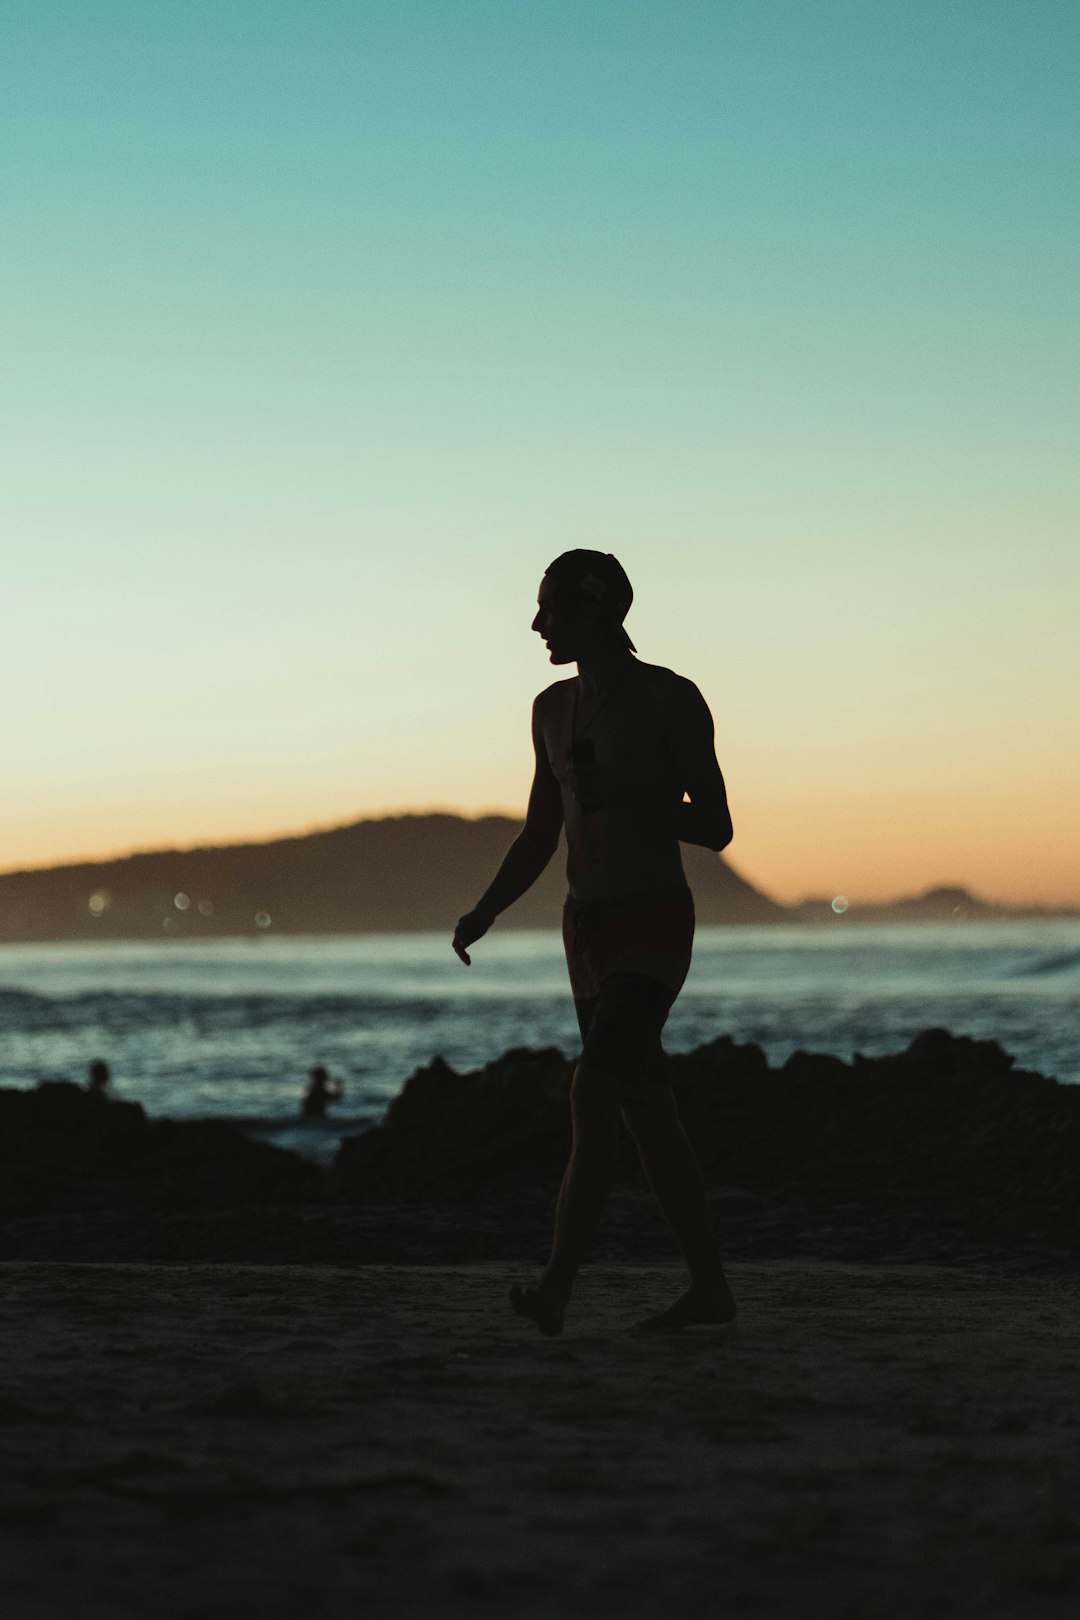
{"x":473,"y":926}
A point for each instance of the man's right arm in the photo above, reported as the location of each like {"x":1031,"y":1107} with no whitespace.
{"x":537,"y":841}
{"x":531,"y":850}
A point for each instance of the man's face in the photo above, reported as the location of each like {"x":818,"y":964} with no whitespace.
{"x":558,"y":621}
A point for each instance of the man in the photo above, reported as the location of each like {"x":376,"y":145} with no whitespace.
{"x":98,"y":1078}
{"x":617,"y":750}
{"x":319,"y":1092}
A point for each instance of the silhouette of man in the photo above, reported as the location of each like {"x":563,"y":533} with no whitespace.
{"x":617,"y":749}
{"x":319,"y":1092}
{"x":98,"y":1077}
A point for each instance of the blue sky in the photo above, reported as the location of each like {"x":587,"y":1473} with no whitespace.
{"x":325,"y":327}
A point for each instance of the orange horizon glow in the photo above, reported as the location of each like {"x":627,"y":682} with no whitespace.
{"x":847,"y":859}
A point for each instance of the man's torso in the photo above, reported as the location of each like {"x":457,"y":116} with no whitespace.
{"x":627,"y":843}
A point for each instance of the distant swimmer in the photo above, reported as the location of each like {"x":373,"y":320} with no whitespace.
{"x":618,"y":751}
{"x":319,"y":1092}
{"x":98,"y":1077}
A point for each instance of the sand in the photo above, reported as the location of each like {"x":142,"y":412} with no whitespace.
{"x":223,"y":1440}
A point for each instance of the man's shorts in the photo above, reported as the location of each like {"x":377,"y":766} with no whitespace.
{"x":628,"y":958}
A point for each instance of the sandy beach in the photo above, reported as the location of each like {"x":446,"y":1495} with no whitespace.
{"x":286,"y":1440}
{"x":235,"y":1385}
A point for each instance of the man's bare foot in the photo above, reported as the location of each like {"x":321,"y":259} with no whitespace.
{"x":539,"y":1308}
{"x":698,"y":1307}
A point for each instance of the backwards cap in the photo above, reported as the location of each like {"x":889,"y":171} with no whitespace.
{"x":598,"y":577}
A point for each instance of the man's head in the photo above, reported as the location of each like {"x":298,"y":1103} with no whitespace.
{"x":584,"y":598}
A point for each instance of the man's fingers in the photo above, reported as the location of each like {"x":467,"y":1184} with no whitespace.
{"x":469,"y":928}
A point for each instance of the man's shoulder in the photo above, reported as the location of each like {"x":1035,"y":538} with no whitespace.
{"x":667,"y":683}
{"x":660,"y":672}
{"x":554,"y":693}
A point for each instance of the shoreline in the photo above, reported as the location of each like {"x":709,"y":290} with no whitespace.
{"x":815,"y":913}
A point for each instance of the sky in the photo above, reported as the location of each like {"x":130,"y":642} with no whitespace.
{"x":324,"y":328}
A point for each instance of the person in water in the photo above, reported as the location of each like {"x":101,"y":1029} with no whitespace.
{"x":98,"y":1077}
{"x":319,"y":1092}
{"x":619,"y":749}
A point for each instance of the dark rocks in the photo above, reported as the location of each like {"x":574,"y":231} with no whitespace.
{"x":948,"y":1124}
{"x":449,"y":1132}
{"x":946,"y":1135}
{"x":63,"y":1149}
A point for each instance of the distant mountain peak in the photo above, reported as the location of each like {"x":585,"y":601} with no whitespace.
{"x":408,"y":872}
{"x":949,"y":894}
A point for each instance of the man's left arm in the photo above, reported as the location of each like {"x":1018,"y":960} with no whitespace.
{"x":706,"y":819}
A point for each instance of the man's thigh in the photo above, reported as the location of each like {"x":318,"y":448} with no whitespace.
{"x":621,"y":1031}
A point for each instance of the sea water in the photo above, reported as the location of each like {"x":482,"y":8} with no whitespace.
{"x":229,"y":1028}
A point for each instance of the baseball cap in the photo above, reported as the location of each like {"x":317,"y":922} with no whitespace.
{"x":599,"y":577}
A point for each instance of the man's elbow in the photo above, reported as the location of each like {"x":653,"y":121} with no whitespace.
{"x":722,"y":835}
{"x":540,"y":841}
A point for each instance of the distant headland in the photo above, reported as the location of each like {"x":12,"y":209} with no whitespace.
{"x":406,"y":873}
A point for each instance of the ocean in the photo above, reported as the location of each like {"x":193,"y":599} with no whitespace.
{"x":229,"y":1028}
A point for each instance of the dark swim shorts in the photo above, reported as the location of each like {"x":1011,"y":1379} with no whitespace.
{"x":628,"y":958}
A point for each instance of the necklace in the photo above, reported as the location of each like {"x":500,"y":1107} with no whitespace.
{"x":574,"y":733}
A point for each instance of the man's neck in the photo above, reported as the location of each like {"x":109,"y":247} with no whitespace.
{"x":599,"y":670}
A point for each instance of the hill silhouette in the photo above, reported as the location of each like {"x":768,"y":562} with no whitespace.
{"x":388,"y":874}
{"x":945,"y":902}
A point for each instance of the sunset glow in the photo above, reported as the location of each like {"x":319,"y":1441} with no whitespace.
{"x":326,"y":329}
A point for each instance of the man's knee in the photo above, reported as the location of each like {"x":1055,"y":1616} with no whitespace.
{"x":649,"y":1109}
{"x":594,"y":1093}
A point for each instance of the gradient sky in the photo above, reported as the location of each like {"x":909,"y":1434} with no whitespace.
{"x":325,"y":327}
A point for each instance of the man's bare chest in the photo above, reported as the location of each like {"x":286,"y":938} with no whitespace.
{"x":624,"y":735}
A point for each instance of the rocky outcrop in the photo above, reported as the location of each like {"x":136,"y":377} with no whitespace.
{"x":446,"y":1131}
{"x":948,"y":1130}
{"x":948,"y":1123}
{"x":65,"y":1150}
